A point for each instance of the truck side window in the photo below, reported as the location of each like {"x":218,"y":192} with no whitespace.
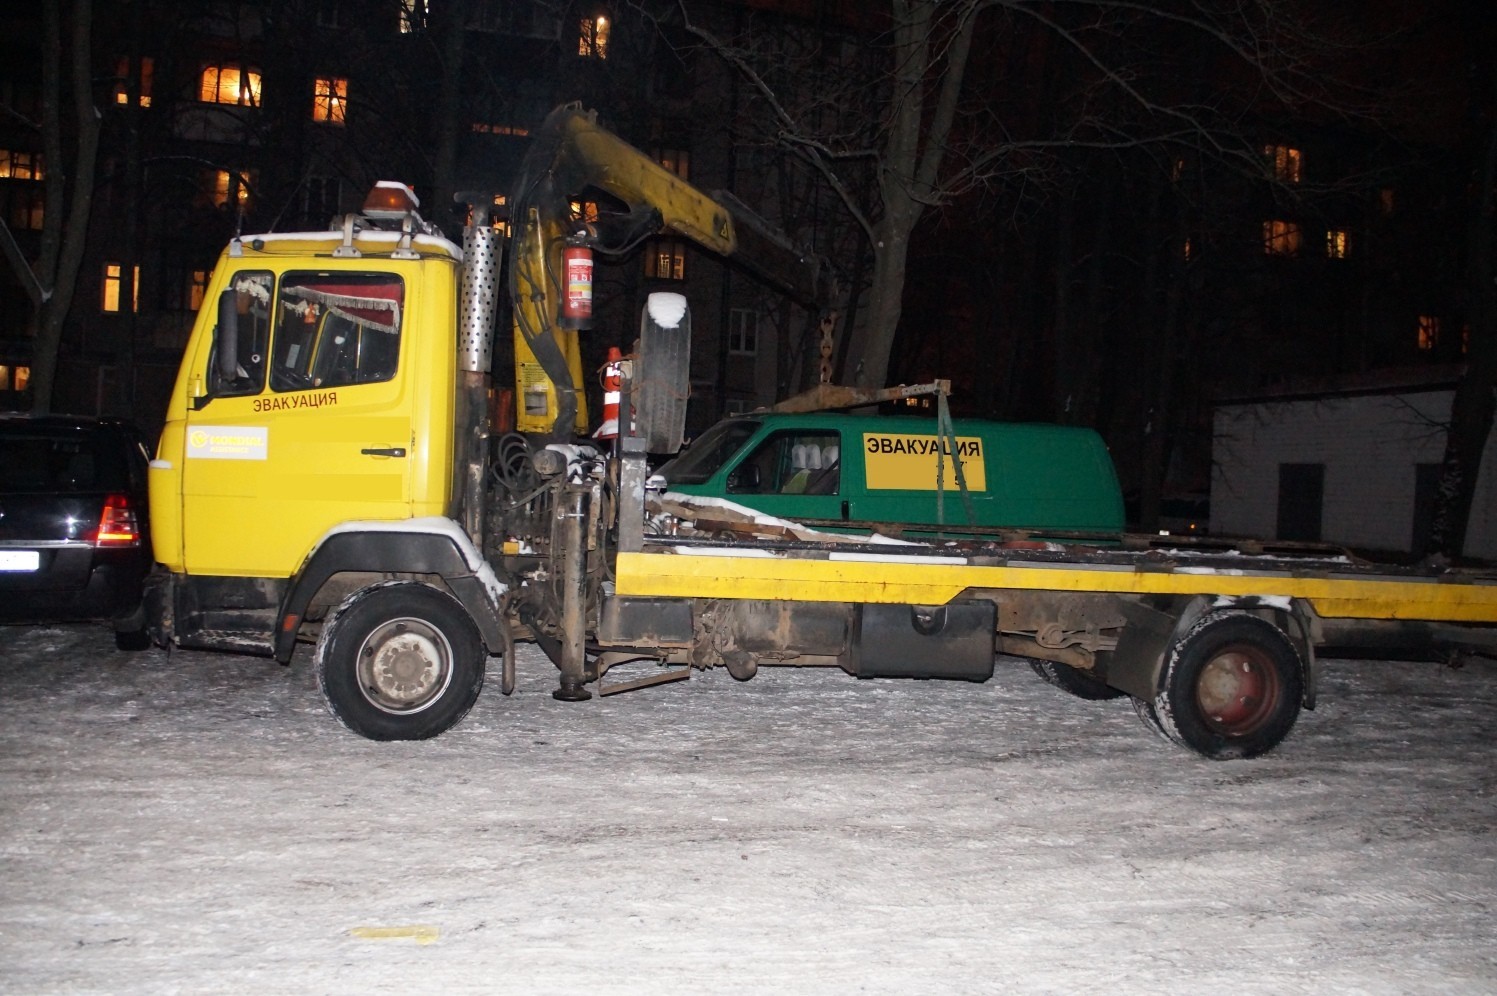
{"x":792,"y":463}
{"x":336,"y":329}
{"x":248,"y":297}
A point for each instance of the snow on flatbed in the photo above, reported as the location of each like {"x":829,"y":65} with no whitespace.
{"x":197,"y":822}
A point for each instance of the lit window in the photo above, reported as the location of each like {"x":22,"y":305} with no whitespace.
{"x":592,"y":42}
{"x":678,"y":161}
{"x":743,"y":331}
{"x":224,"y":185}
{"x":666,"y":260}
{"x":185,"y":289}
{"x":14,"y":378}
{"x":1281,"y":238}
{"x":1177,"y":170}
{"x":122,"y":80}
{"x":1283,"y":163}
{"x":330,"y":99}
{"x":585,"y":210}
{"x":412,"y":15}
{"x":1385,"y":200}
{"x":499,"y":215}
{"x":230,"y":85}
{"x":1429,"y":332}
{"x":1337,"y":242}
{"x":21,"y":165}
{"x":1188,"y":250}
{"x":114,"y":290}
{"x":197,"y":288}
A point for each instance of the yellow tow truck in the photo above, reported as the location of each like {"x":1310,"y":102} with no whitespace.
{"x":326,"y":474}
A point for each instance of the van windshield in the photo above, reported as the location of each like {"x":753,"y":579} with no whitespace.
{"x":715,"y":447}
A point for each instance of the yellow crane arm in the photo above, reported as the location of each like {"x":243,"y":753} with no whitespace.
{"x":570,"y":153}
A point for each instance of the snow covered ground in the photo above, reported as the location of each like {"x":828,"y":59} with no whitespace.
{"x":198,"y":823}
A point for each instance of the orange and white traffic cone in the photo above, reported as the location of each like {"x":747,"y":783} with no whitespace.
{"x":613,"y":383}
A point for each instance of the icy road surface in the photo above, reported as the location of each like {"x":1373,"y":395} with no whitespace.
{"x":198,"y":823}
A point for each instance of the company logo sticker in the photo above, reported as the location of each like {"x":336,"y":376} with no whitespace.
{"x":228,"y":442}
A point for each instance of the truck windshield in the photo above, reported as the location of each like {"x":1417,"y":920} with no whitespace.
{"x":709,"y":452}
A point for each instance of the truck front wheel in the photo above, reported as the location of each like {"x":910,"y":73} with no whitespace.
{"x":400,"y":661}
{"x":1231,"y":687}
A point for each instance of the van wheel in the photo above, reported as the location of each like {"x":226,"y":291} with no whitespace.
{"x":399,"y":661}
{"x":1079,"y":683}
{"x":1231,"y":687}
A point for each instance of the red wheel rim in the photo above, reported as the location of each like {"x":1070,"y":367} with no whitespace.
{"x":1238,"y":691}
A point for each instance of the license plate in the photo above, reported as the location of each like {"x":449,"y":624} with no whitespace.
{"x":20,"y":560}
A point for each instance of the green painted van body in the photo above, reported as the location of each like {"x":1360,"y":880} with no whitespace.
{"x":885,"y":469}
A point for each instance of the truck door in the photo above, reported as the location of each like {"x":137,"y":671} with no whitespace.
{"x":305,"y":420}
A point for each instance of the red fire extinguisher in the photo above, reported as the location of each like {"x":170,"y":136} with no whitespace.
{"x":577,"y":285}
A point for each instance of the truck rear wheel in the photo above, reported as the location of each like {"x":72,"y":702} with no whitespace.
{"x":1150,"y":718}
{"x":400,"y":661}
{"x":1079,"y":683}
{"x":1231,"y":687}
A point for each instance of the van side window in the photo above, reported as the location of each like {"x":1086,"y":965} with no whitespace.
{"x":792,"y":463}
{"x":251,"y":296}
{"x":336,"y":329}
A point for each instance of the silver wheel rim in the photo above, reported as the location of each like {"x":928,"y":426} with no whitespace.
{"x":404,"y":666}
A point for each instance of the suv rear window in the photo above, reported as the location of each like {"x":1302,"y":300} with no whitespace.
{"x":34,"y":459}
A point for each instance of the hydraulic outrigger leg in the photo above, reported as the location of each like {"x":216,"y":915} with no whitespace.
{"x":573,"y":532}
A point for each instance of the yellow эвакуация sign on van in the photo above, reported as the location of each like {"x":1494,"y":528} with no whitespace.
{"x":908,"y":463}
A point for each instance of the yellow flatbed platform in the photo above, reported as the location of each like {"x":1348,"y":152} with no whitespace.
{"x":1335,"y":586}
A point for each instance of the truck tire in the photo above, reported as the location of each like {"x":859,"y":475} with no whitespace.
{"x":130,"y":630}
{"x":1150,"y":718}
{"x":1231,"y":687}
{"x":399,"y":661}
{"x":1079,"y":683}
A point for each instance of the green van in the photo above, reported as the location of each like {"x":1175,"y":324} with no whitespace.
{"x":882,"y":468}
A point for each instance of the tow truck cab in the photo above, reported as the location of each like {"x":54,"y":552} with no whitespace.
{"x":317,"y":389}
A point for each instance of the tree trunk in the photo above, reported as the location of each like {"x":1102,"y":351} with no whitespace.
{"x":62,"y":246}
{"x":870,"y":357}
{"x":1162,"y":279}
{"x":454,"y":23}
{"x":1471,"y":410}
{"x":909,"y":170}
{"x":1063,"y":350}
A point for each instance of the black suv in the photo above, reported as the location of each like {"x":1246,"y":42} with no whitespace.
{"x":73,"y":538}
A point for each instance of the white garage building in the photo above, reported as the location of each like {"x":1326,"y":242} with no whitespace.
{"x":1354,"y":461}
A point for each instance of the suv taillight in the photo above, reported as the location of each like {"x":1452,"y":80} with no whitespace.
{"x":117,"y":526}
